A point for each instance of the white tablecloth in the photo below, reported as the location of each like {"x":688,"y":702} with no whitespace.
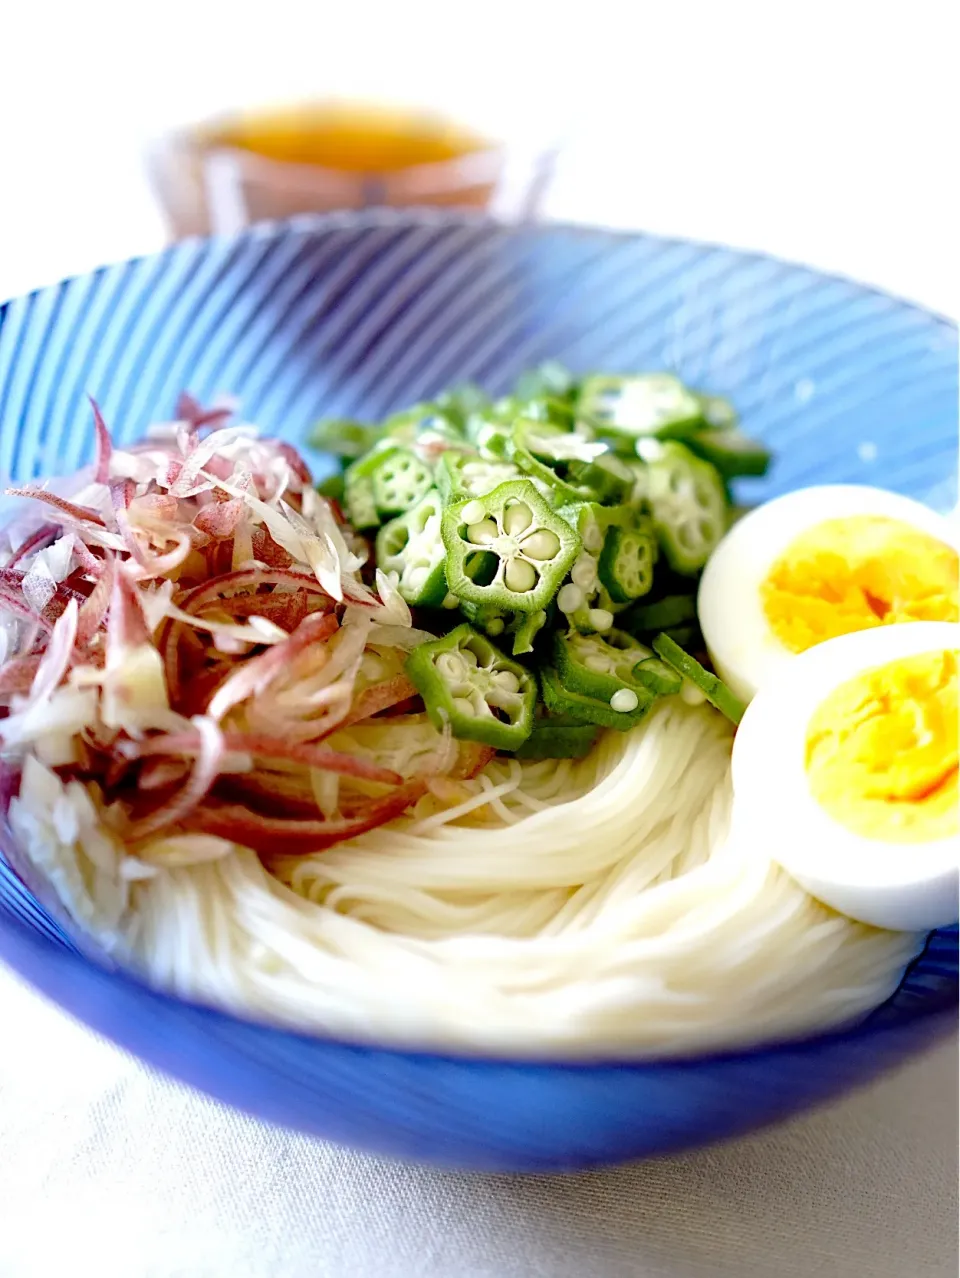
{"x":109,"y":1169}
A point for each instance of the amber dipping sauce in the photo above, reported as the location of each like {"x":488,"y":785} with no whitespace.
{"x":351,"y":137}
{"x":314,"y":157}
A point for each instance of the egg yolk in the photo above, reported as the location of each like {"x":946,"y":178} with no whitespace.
{"x":855,"y":573}
{"x":882,"y":751}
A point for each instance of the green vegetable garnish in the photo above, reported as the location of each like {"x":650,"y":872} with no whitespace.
{"x":586,"y":599}
{"x":551,"y":379}
{"x":332,"y":487}
{"x":600,"y":666}
{"x":622,"y":711}
{"x":662,"y":614}
{"x":718,"y":413}
{"x":507,"y":549}
{"x":410,"y":549}
{"x":462,"y":403}
{"x":651,"y":405}
{"x":610,"y":478}
{"x":558,"y":737}
{"x":731,"y":452}
{"x":344,"y":438}
{"x":687,"y":637}
{"x":360,"y":507}
{"x":593,"y":521}
{"x":657,"y":676}
{"x":467,"y":682}
{"x":688,"y":503}
{"x":712,"y":687}
{"x":399,"y":481}
{"x":626,"y":561}
{"x":568,"y":522}
{"x":421,"y":421}
{"x":516,"y":629}
{"x":525,"y":629}
{"x":462,"y":475}
{"x":387,"y":481}
{"x":543,"y":450}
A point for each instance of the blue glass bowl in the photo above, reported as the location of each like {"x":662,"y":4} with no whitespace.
{"x":361,"y":314}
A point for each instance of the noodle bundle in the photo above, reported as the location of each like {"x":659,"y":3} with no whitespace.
{"x":588,"y":906}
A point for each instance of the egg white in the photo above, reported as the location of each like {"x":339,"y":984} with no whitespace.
{"x":905,"y":887}
{"x":744,"y":650}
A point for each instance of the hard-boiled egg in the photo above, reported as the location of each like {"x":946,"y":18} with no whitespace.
{"x":818,"y":563}
{"x":845,"y":772}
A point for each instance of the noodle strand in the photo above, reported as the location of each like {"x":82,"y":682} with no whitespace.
{"x":594,"y":905}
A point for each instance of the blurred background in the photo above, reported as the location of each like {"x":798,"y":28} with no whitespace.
{"x":819,"y":132}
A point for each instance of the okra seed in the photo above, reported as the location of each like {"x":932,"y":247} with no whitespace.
{"x":624,"y":700}
{"x":450,"y":664}
{"x":600,"y":618}
{"x":520,"y":576}
{"x":495,"y":627}
{"x":517,"y":518}
{"x":482,"y":533}
{"x":543,"y":544}
{"x":570,"y":598}
{"x":592,"y":538}
{"x":691,"y":694}
{"x":463,"y":705}
{"x":649,"y":450}
{"x":450,"y":600}
{"x":507,"y":680}
{"x":473,"y":512}
{"x":584,"y":572}
{"x":469,"y":656}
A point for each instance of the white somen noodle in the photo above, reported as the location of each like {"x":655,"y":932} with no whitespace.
{"x":588,"y":906}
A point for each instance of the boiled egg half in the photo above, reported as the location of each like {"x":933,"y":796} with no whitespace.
{"x":845,"y":772}
{"x":819,"y":563}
